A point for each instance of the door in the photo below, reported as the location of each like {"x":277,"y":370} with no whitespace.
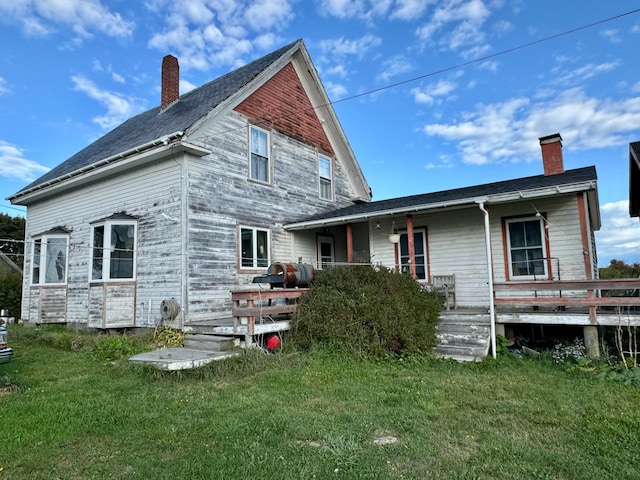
{"x":326,"y":256}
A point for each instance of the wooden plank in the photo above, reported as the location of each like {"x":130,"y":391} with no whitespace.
{"x":570,"y":301}
{"x":261,"y":311}
{"x":268,"y":294}
{"x":616,"y":284}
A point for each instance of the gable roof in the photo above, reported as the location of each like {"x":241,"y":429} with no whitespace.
{"x":156,"y":123}
{"x":581,"y":179}
{"x":634,"y":179}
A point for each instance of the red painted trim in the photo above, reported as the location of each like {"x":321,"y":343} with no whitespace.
{"x":349,"y":243}
{"x":411,"y":246}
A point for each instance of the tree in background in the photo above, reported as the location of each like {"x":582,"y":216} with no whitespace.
{"x":11,"y":262}
{"x":619,"y":269}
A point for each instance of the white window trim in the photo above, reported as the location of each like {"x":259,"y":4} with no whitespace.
{"x":329,"y":178}
{"x":426,"y":256}
{"x":268,"y":157}
{"x":332,"y":260}
{"x":106,"y":251}
{"x":254,"y":240}
{"x":508,"y":222}
{"x":43,"y":256}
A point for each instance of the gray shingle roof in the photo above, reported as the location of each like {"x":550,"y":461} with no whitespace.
{"x":579,"y":175}
{"x":156,"y":123}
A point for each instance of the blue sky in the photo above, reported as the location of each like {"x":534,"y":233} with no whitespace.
{"x":460,"y":112}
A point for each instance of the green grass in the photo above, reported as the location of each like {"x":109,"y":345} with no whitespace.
{"x":305,"y":416}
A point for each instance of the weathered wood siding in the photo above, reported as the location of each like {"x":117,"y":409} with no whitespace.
{"x":146,"y":193}
{"x":221,"y":199}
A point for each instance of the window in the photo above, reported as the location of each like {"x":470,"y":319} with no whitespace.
{"x":325,"y":177}
{"x":420,"y":250}
{"x":259,"y":168}
{"x":113,"y":247}
{"x":254,"y":245}
{"x":526,"y":248}
{"x":49,"y":261}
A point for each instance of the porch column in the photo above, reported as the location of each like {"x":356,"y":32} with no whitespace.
{"x":411,"y":246}
{"x":349,"y":243}
{"x":591,"y":342}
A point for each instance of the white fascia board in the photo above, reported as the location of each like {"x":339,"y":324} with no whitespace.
{"x":455,"y":204}
{"x":107,"y":167}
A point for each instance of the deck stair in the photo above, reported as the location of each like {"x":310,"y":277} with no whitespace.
{"x":463,"y":336}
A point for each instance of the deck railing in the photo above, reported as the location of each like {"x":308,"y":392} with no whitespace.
{"x":567,"y":294}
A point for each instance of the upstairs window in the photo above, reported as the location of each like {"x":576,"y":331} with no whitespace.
{"x":325,"y":177}
{"x":259,"y":168}
{"x":114,"y":250}
{"x":50,"y":260}
{"x":526,"y":248}
{"x":255,"y":247}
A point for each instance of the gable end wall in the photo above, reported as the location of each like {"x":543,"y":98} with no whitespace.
{"x":283,"y":104}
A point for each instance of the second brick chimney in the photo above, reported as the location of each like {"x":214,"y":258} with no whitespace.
{"x":552,"y":154}
{"x":170,"y":81}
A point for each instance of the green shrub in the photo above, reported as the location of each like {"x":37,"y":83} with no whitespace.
{"x":368,"y":310}
{"x":10,"y":291}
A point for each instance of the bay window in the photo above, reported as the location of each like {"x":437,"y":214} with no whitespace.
{"x":113,"y":249}
{"x":50,"y":259}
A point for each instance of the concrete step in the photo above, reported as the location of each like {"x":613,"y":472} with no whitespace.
{"x":465,"y":318}
{"x":460,"y":328}
{"x":463,"y":340}
{"x":462,"y":353}
{"x":210,"y":343}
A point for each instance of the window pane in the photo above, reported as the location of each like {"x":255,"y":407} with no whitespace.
{"x":35,"y":271}
{"x":246,"y":244}
{"x":98,"y":253}
{"x":325,"y":189}
{"x":324,"y":167}
{"x":56,"y":261}
{"x":533,"y":235}
{"x":263,"y":248}
{"x":516,"y":235}
{"x":122,"y":242}
{"x":259,"y":168}
{"x":259,"y":142}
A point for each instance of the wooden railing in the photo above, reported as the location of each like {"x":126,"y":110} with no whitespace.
{"x":567,"y":293}
{"x":249,"y":305}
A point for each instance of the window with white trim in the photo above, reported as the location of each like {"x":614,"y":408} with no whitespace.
{"x":259,"y":165}
{"x":50,"y":260}
{"x":526,"y":247}
{"x":325,"y":177}
{"x":420,"y":250}
{"x":113,"y":246}
{"x":254,"y":247}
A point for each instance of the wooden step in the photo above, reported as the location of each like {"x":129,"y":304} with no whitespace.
{"x":210,"y":343}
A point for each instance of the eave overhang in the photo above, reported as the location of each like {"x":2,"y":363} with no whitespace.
{"x":163,"y":147}
{"x":590,"y":187}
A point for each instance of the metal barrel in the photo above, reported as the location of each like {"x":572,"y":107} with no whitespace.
{"x":295,"y":274}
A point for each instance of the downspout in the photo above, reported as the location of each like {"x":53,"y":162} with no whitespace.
{"x":492,"y":310}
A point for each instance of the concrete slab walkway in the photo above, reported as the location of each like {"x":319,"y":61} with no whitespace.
{"x":180,"y":358}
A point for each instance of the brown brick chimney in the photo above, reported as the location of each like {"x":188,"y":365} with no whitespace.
{"x":552,"y":154}
{"x":170,"y":81}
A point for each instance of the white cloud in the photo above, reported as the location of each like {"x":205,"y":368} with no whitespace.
{"x":119,"y":108}
{"x":619,"y":236}
{"x":579,"y":75}
{"x":613,"y":35}
{"x":186,"y":86}
{"x":84,"y":17}
{"x":359,"y":47}
{"x":335,"y":91}
{"x":428,"y":94}
{"x":4,"y":89}
{"x":13,"y":164}
{"x":359,"y":9}
{"x":393,"y":67}
{"x":410,"y":9}
{"x":508,"y":131}
{"x":205,"y":34}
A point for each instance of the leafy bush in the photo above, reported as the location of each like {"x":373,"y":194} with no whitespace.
{"x":10,"y":291}
{"x":368,"y":310}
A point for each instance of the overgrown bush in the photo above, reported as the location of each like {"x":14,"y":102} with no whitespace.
{"x":369,"y":310}
{"x":10,"y":291}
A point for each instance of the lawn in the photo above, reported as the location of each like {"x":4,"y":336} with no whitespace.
{"x":319,"y":415}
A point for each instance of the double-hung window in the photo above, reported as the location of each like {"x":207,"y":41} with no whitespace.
{"x":114,"y":250}
{"x":526,"y":247}
{"x":420,"y":251}
{"x":259,"y":168}
{"x":50,"y":260}
{"x":325,"y":177}
{"x":255,"y":247}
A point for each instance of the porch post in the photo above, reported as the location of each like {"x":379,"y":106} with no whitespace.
{"x":349,"y":243}
{"x":591,"y":343}
{"x":411,"y":246}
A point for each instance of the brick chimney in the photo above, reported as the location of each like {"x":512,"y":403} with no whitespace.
{"x":170,"y":81}
{"x":552,"y":154}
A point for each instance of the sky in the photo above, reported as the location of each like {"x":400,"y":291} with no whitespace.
{"x":432,"y":94}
